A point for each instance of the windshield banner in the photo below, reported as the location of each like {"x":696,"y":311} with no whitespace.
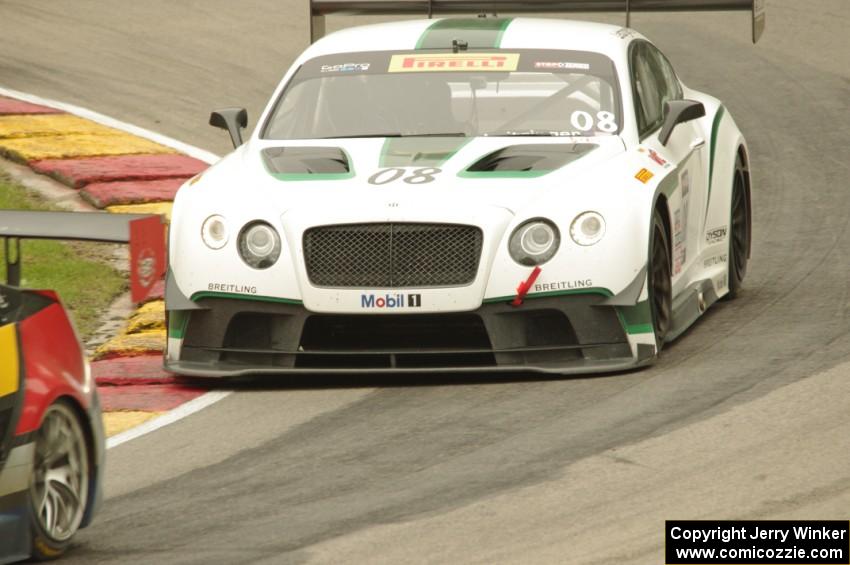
{"x":417,"y":63}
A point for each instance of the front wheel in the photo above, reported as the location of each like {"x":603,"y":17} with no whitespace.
{"x":740,"y":234}
{"x":60,"y":481}
{"x":660,"y":283}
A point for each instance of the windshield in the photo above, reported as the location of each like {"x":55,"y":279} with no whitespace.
{"x":494,"y":93}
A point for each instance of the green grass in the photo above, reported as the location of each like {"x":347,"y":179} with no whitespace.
{"x":77,"y":271}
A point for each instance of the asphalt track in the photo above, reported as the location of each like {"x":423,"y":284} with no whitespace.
{"x":747,"y":416}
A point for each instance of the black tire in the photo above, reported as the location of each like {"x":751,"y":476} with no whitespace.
{"x":740,"y":230}
{"x":60,"y":480}
{"x":660,"y":281}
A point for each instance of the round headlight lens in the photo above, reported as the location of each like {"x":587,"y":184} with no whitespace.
{"x":534,"y":242}
{"x":259,"y":245}
{"x":587,"y":228}
{"x":214,"y":232}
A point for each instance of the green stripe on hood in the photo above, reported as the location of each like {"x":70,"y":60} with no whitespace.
{"x":479,"y":33}
{"x":420,"y":151}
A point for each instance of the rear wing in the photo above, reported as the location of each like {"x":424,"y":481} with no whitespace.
{"x":319,"y":9}
{"x":144,"y":232}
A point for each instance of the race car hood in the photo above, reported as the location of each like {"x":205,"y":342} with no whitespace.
{"x":411,"y":173}
{"x":489,"y":183}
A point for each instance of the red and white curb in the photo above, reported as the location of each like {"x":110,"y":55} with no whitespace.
{"x":119,"y":174}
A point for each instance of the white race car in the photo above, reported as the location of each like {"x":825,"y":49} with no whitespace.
{"x":461,"y":195}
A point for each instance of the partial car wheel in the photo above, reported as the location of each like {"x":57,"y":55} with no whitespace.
{"x":739,"y":231}
{"x":660,"y":283}
{"x":60,"y":481}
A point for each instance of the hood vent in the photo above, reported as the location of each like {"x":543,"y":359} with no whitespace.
{"x":532,"y":159}
{"x":283,"y":161}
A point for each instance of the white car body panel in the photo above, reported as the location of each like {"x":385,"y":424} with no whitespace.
{"x":240,"y":189}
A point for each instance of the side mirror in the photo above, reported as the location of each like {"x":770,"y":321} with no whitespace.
{"x":678,"y":112}
{"x":233,"y":120}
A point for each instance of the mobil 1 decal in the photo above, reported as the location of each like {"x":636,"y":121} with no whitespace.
{"x":390,"y":301}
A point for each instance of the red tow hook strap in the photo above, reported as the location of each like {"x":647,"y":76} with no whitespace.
{"x":525,"y":286}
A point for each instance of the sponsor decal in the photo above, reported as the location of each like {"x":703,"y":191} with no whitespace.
{"x":721,"y":281}
{"x":563,"y":285}
{"x":561,"y":65}
{"x":653,"y":154}
{"x":552,"y":133}
{"x":400,"y":300}
{"x":716,"y":260}
{"x":624,"y":32}
{"x":146,"y":267}
{"x":644,"y":175}
{"x":680,"y":252}
{"x":716,"y":235}
{"x":233,"y":288}
{"x":680,"y":223}
{"x":679,"y":261}
{"x":147,"y":255}
{"x":345,"y":68}
{"x":415,"y":63}
{"x":3,"y":302}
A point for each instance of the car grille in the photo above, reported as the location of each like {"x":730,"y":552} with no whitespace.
{"x":392,"y":255}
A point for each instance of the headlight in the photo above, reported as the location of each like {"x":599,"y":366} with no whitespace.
{"x":588,"y":228}
{"x":214,"y":232}
{"x":534,"y":242}
{"x":259,"y":245}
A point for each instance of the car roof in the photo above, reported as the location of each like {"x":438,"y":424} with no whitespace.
{"x":505,"y":33}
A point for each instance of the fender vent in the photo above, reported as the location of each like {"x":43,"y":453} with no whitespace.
{"x":306,"y":161}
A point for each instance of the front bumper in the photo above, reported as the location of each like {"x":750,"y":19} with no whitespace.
{"x":563,"y":334}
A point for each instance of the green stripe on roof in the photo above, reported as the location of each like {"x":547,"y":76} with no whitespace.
{"x":479,"y":33}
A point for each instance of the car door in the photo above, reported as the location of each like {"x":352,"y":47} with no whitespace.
{"x":655,"y":83}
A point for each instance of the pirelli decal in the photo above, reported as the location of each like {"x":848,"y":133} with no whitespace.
{"x":9,"y":369}
{"x":416,"y":63}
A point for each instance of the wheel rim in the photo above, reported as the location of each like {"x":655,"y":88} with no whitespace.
{"x":661,"y":285}
{"x":740,"y":237}
{"x":60,"y":478}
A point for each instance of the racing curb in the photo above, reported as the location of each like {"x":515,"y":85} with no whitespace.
{"x":119,"y":168}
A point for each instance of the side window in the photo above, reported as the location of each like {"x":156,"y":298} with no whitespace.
{"x":664,"y":72}
{"x":648,"y":90}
